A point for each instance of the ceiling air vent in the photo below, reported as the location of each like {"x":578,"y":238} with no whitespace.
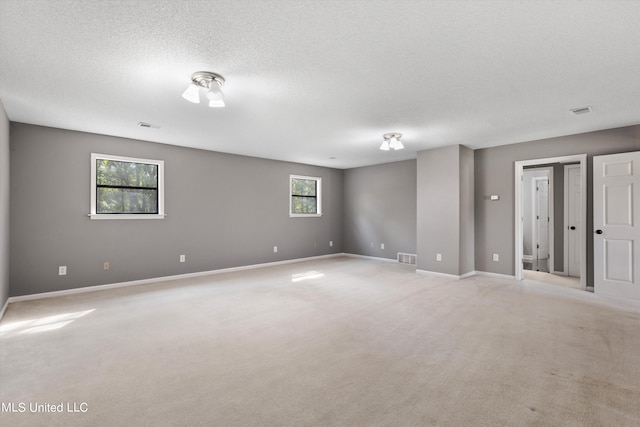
{"x":581,"y":110}
{"x":148,"y":125}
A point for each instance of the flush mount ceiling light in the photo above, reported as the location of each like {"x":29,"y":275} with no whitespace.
{"x":206,"y":80}
{"x":391,"y":141}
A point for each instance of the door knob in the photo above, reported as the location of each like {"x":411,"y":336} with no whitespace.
{"x":573,"y":227}
{"x":598,"y":231}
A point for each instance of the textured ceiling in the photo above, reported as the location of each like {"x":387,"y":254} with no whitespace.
{"x":319,"y":82}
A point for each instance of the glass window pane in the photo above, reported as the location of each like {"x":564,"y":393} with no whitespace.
{"x":303,"y":187}
{"x":304,"y":204}
{"x":128,"y":174}
{"x":122,"y":200}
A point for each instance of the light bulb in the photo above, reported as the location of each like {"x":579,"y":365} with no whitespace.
{"x":214,"y":93}
{"x":192,"y":94}
{"x":396,"y":144}
{"x":385,"y":145}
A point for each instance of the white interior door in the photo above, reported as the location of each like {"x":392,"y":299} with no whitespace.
{"x":574,"y":226}
{"x":616,"y":212}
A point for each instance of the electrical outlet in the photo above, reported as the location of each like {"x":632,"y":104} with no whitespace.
{"x":381,"y":245}
{"x":438,"y":257}
{"x":275,"y":249}
{"x":496,"y":257}
{"x":62,"y":270}
{"x":330,"y":242}
{"x":105,"y":266}
{"x":183,"y":258}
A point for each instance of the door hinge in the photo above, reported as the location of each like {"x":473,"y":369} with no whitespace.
{"x":537,"y":246}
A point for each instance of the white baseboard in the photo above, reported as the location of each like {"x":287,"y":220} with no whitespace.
{"x":4,"y":308}
{"x":495,"y":275}
{"x":445,"y":275}
{"x":436,"y":274}
{"x":162,"y":279}
{"x":469,"y":274}
{"x":231,"y":270}
{"x":371,"y":257}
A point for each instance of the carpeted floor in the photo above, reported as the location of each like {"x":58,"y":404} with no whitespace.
{"x":552,"y":279}
{"x":335,"y":342}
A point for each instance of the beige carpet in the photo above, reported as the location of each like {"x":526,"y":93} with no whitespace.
{"x":337,"y":342}
{"x":553,"y":279}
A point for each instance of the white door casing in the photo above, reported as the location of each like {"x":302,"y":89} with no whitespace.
{"x":616,"y":216}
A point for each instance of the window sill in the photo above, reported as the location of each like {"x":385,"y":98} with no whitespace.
{"x":292,"y":215}
{"x":126,"y":216}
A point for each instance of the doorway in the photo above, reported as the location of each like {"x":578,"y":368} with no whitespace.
{"x":537,"y":247}
{"x":557,"y":163}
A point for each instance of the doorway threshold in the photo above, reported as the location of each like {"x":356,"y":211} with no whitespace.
{"x":553,"y":279}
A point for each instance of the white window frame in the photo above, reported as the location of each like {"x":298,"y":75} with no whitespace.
{"x":160,"y":163}
{"x":318,"y":181}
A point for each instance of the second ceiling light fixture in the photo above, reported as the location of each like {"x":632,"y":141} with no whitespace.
{"x":391,"y":142}
{"x":206,"y":80}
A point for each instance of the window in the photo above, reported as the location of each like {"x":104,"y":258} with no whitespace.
{"x":125,"y":188}
{"x":305,"y":196}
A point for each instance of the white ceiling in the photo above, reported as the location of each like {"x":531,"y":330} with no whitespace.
{"x":308,"y":81}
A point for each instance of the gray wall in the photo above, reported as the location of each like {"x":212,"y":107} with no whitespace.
{"x":467,"y":211}
{"x":226,"y":211}
{"x":380,"y":207}
{"x":222,"y":211}
{"x":438,"y":195}
{"x":445,"y":194}
{"x":494,"y":174}
{"x":4,"y":206}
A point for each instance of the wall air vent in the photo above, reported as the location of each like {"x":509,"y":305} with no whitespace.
{"x":148,"y":125}
{"x":581,"y":110}
{"x":410,"y":259}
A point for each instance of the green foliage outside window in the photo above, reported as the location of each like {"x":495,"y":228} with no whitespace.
{"x":304,"y":198}
{"x":126,"y":187}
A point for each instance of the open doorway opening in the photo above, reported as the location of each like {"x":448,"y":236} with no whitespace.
{"x":547,"y":248}
{"x":537,"y":214}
